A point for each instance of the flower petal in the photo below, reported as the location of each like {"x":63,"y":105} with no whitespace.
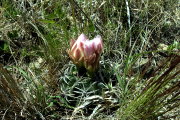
{"x":98,"y":44}
{"x":82,"y":37}
{"x":88,"y":48}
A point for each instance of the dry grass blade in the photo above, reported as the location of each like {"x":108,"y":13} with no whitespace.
{"x":9,"y":87}
{"x":160,"y":95}
{"x":174,"y":61}
{"x":12,"y":99}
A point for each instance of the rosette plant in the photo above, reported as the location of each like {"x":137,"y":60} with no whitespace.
{"x":86,"y":53}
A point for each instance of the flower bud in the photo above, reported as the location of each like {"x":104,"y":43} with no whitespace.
{"x":86,"y":53}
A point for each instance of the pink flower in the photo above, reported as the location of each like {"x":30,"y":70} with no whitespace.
{"x":86,"y":53}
